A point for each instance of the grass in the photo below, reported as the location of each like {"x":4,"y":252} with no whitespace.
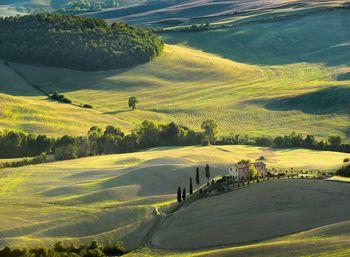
{"x":112,"y":197}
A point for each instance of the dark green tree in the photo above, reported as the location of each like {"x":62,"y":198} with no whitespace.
{"x":179,"y":199}
{"x":207,"y":171}
{"x":132,"y":102}
{"x":197,"y":176}
{"x":191,"y":187}
{"x":210,"y":130}
{"x":334,"y":141}
{"x":184,"y":194}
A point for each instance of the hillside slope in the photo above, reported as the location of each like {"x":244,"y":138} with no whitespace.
{"x":189,"y":86}
{"x":261,"y":212}
{"x":331,"y":240}
{"x":112,"y":197}
{"x":163,"y":14}
{"x":275,"y":77}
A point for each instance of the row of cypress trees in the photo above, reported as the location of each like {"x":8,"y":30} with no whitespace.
{"x":181,"y":193}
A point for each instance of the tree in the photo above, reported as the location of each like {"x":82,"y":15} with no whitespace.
{"x":335,"y":141}
{"x":252,"y":173}
{"x":179,"y":199}
{"x":132,"y":102}
{"x":94,"y":134}
{"x":310,"y":141}
{"x":148,"y":134}
{"x":184,"y":194}
{"x":210,"y":130}
{"x":197,"y":176}
{"x":191,"y":187}
{"x":95,"y":253}
{"x":207,"y":172}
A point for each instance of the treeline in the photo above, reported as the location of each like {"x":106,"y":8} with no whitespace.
{"x":14,"y":144}
{"x":75,"y":42}
{"x":332,"y":143}
{"x":148,"y":134}
{"x":112,"y":140}
{"x":82,"y":6}
{"x":60,"y":250}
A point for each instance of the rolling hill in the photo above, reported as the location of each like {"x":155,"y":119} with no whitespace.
{"x":331,"y":240}
{"x":204,"y":86}
{"x":175,"y":13}
{"x":112,"y":197}
{"x":264,"y":67}
{"x":263,"y":78}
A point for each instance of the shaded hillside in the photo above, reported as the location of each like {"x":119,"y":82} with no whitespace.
{"x":73,"y":42}
{"x":165,"y":13}
{"x":318,"y":38}
{"x":324,"y":101}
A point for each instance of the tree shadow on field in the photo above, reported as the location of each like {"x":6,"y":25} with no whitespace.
{"x":116,"y":112}
{"x":329,"y":100}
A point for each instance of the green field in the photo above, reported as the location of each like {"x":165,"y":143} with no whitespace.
{"x":112,"y":197}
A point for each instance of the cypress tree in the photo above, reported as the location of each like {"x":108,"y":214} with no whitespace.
{"x":184,"y":194}
{"x":207,"y":171}
{"x":179,"y":194}
{"x":191,"y":187}
{"x":197,"y":176}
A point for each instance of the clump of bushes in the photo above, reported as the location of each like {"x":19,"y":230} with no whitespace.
{"x":88,"y":106}
{"x":346,"y":160}
{"x":25,"y":161}
{"x":344,"y":171}
{"x":60,"y":98}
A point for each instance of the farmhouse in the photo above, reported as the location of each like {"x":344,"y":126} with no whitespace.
{"x":241,"y":169}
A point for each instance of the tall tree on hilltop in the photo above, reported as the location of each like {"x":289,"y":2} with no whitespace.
{"x":191,"y":187}
{"x":179,"y":194}
{"x":210,"y":130}
{"x":207,"y":171}
{"x":184,"y":194}
{"x":132,"y":102}
{"x":197,"y":176}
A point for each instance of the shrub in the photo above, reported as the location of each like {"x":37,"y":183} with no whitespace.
{"x":205,"y":142}
{"x":66,"y":152}
{"x":25,"y":161}
{"x":60,"y":98}
{"x":116,"y":250}
{"x":344,"y":171}
{"x":346,"y":160}
{"x":95,"y":253}
{"x":88,"y":106}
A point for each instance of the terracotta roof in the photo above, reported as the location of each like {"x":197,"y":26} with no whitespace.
{"x":247,"y":164}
